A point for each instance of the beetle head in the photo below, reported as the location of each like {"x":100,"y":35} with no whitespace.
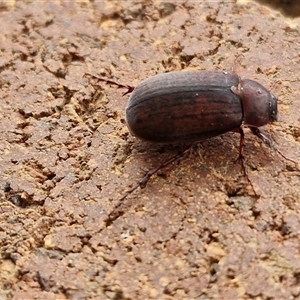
{"x":259,"y":105}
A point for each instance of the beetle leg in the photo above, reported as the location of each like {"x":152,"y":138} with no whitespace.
{"x":116,"y":213}
{"x":263,"y":137}
{"x":242,"y":159}
{"x":119,"y":85}
{"x":269,"y":142}
{"x":142,"y":183}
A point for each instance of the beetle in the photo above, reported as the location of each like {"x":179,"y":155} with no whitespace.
{"x":189,"y":106}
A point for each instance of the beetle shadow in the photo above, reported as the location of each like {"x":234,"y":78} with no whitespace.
{"x":218,"y":155}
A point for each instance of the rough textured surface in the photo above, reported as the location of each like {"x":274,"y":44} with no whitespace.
{"x":195,"y":231}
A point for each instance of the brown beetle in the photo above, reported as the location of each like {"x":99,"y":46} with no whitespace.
{"x":196,"y":105}
{"x":189,"y":106}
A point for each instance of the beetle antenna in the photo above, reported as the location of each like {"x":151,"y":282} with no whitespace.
{"x":119,"y":85}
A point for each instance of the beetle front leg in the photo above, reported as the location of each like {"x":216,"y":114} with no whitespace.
{"x":263,"y":137}
{"x":269,"y":142}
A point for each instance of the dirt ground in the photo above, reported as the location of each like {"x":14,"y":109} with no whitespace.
{"x":195,"y":231}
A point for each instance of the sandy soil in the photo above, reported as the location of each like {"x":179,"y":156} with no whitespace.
{"x":195,"y":231}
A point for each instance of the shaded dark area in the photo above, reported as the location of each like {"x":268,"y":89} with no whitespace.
{"x":289,"y":8}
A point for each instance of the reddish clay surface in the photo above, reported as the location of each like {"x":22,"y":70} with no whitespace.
{"x":195,"y":231}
